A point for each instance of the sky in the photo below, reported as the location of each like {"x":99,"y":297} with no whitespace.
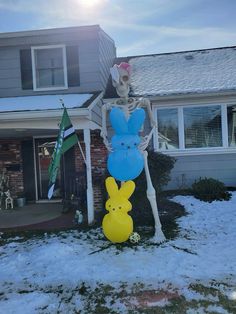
{"x":137,"y":26}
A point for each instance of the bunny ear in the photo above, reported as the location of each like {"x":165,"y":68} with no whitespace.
{"x":127,"y":189}
{"x":118,"y":121}
{"x":111,"y":186}
{"x":136,"y":121}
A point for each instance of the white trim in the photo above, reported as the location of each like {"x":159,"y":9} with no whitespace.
{"x":180,"y":113}
{"x":224,"y":126}
{"x":155,"y":134}
{"x":90,"y":199}
{"x":196,"y":151}
{"x":35,"y":165}
{"x":35,"y":172}
{"x":39,"y":114}
{"x":95,"y":101}
{"x":35,"y":48}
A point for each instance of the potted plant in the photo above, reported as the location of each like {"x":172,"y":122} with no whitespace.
{"x":20,"y":200}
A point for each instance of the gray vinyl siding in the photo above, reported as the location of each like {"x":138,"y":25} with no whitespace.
{"x":187,"y":169}
{"x":10,"y":76}
{"x":96,"y":113}
{"x":87,"y":39}
{"x":107,"y":53}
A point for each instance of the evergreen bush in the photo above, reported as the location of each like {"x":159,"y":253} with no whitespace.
{"x":160,"y":166}
{"x":209,"y":190}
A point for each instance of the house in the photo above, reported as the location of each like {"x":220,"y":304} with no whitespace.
{"x":193,"y":97}
{"x":39,"y":70}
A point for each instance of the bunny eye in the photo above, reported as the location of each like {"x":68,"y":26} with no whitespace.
{"x":122,"y":144}
{"x":135,"y":144}
{"x":109,"y":206}
{"x":119,"y":207}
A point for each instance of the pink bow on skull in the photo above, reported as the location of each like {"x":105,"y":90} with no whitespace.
{"x":121,"y":78}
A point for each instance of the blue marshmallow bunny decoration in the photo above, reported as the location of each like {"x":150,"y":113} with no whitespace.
{"x":125,"y":162}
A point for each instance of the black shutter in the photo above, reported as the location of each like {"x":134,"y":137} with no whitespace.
{"x":72,"y":59}
{"x":28,"y":169}
{"x":26,"y":69}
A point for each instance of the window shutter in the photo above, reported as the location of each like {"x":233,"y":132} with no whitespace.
{"x":26,"y":69}
{"x":72,"y":59}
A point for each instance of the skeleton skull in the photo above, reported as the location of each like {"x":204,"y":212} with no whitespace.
{"x":121,"y":78}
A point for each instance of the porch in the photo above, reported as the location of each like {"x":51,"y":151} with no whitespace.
{"x":39,"y":216}
{"x":28,"y":131}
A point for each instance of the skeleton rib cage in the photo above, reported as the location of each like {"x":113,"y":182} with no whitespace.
{"x":128,"y":105}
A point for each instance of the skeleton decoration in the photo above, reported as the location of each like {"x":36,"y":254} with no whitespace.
{"x":121,"y":81}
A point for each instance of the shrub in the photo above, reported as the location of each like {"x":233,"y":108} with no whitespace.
{"x":160,"y":166}
{"x":209,"y":190}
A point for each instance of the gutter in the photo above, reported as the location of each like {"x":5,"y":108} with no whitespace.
{"x":231,"y":93}
{"x":39,"y":114}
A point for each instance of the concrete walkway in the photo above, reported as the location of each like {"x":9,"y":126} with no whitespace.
{"x":30,"y":214}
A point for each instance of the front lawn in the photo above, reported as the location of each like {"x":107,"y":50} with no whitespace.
{"x":70,"y":272}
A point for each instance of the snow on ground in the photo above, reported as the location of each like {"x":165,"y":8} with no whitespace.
{"x":33,"y":272}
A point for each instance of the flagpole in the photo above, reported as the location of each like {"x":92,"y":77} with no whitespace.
{"x":80,"y":148}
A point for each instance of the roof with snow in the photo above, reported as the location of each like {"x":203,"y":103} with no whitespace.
{"x":190,"y":72}
{"x":46,"y":102}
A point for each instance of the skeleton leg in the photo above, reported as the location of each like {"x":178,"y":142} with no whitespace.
{"x":151,"y":195}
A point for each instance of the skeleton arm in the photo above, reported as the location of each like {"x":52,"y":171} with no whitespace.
{"x":145,"y":103}
{"x":103,"y":132}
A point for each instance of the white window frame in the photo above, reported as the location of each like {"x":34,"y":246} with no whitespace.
{"x":33,"y":50}
{"x":181,"y":151}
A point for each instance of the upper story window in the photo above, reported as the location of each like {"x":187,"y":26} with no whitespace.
{"x":196,"y":128}
{"x":49,"y":68}
{"x":46,"y":68}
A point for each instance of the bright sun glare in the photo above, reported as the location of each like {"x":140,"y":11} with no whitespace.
{"x":90,"y":3}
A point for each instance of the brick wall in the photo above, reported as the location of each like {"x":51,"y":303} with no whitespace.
{"x":98,"y":161}
{"x":10,"y":158}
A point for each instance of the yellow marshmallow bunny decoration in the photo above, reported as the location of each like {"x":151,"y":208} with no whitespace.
{"x":117,"y":224}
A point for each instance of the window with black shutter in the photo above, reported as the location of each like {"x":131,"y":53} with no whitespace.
{"x":50,"y":67}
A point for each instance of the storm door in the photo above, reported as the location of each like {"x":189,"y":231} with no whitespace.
{"x":43,"y":151}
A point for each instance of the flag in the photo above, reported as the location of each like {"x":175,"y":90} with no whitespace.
{"x":66,"y":139}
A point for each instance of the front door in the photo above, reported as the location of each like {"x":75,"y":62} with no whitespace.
{"x":44,"y":150}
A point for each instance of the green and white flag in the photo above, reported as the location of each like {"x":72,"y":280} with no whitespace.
{"x":66,"y":139}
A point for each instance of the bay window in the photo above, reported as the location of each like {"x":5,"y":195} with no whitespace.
{"x":196,"y":128}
